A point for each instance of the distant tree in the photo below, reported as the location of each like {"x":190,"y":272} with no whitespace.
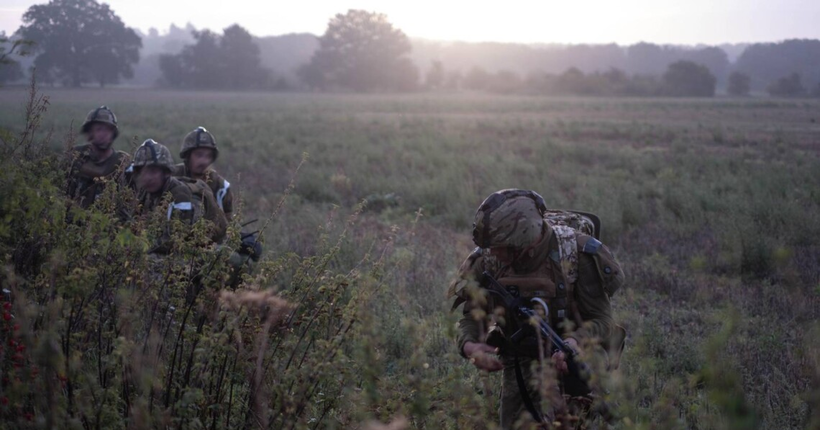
{"x":241,"y":56}
{"x":767,"y":62}
{"x":10,"y":69}
{"x":738,"y":84}
{"x":81,"y":41}
{"x":196,"y":66}
{"x":787,"y":86}
{"x":689,"y":79}
{"x":647,"y":58}
{"x":435,"y":76}
{"x":572,"y":81}
{"x":615,"y":81}
{"x":715,"y":59}
{"x":361,"y":51}
{"x":230,"y":61}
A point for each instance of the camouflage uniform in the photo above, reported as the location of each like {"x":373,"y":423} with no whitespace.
{"x":221,"y":188}
{"x":181,"y":204}
{"x":577,"y":293}
{"x":250,"y":249}
{"x":185,"y":192}
{"x":85,"y":173}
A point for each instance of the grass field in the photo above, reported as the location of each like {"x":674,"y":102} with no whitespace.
{"x":713,"y":207}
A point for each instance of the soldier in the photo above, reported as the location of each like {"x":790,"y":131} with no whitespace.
{"x":190,"y":199}
{"x":96,"y":160}
{"x":572,"y":272}
{"x":198,"y":153}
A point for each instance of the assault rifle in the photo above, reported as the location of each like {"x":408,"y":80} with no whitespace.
{"x":529,"y":322}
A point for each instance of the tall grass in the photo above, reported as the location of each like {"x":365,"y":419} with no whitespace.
{"x":712,"y":207}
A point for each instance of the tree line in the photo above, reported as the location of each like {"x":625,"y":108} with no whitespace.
{"x":80,"y":42}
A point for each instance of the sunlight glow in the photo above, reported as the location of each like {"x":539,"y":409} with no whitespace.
{"x":527,"y":21}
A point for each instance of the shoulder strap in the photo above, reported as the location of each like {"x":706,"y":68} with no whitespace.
{"x":525,"y":393}
{"x":567,"y":252}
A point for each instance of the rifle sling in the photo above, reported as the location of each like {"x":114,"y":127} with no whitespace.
{"x":525,"y":394}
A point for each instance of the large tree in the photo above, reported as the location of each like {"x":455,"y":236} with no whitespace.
{"x":689,"y":79}
{"x":787,"y":86}
{"x":229,"y":61}
{"x":361,"y":51}
{"x":767,"y":62}
{"x":10,"y":69}
{"x":81,"y":41}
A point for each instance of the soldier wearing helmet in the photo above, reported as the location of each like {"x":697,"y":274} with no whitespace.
{"x":537,"y":261}
{"x":152,"y":176}
{"x":199,"y":152}
{"x":96,"y":160}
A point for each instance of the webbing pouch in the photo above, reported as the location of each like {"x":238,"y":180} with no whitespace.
{"x":529,"y":287}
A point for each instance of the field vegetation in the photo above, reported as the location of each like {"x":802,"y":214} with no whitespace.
{"x":366,"y":202}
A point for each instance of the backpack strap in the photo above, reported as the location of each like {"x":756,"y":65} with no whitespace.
{"x":564,"y":256}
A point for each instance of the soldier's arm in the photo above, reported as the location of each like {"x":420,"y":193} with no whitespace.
{"x":465,"y":289}
{"x":470,"y":327}
{"x":227,"y":204}
{"x":215,"y":215}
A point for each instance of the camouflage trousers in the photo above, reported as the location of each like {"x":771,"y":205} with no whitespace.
{"x":558,"y":411}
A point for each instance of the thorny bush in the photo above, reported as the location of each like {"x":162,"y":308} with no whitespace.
{"x":97,"y":333}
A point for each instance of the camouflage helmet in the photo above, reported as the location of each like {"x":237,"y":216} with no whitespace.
{"x":102,"y":115}
{"x":509,"y":218}
{"x":199,"y":138}
{"x":151,"y":153}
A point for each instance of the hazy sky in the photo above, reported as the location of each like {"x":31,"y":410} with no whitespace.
{"x":548,"y":21}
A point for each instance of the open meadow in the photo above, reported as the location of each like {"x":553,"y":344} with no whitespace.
{"x":711,"y":205}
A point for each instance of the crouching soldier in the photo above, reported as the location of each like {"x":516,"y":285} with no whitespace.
{"x":199,"y":151}
{"x":96,"y":160}
{"x":188,"y":199}
{"x":531,"y":261}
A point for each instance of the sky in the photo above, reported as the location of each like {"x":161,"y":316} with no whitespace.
{"x":624,"y":22}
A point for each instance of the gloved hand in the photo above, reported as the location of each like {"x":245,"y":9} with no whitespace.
{"x":251,"y":246}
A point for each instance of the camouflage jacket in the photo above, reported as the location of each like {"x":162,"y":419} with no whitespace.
{"x":220,"y":188}
{"x":85,"y":174}
{"x":579,"y":309}
{"x":204,"y":199}
{"x":181,"y":206}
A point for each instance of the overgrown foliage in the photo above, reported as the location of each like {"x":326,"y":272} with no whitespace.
{"x":709,"y":204}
